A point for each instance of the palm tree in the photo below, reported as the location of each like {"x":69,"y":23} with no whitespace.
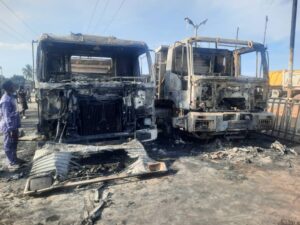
{"x":27,"y":72}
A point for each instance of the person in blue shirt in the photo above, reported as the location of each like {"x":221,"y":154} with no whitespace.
{"x":9,"y":123}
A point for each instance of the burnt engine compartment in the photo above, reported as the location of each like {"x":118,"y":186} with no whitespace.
{"x":230,"y":96}
{"x":99,"y":116}
{"x":71,"y":113}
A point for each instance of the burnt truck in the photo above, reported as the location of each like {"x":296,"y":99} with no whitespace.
{"x":92,"y":88}
{"x":202,"y":90}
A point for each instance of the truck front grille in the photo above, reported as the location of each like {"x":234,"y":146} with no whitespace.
{"x":201,"y":125}
{"x":238,"y":125}
{"x":100,"y":117}
{"x":265,"y":124}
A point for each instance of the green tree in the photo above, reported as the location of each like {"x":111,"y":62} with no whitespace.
{"x":27,"y":72}
{"x":18,"y":80}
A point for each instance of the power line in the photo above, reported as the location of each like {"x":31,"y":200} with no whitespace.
{"x":114,"y":16}
{"x":18,"y":17}
{"x":5,"y":32}
{"x":101,"y":14}
{"x":13,"y":30}
{"x":92,"y":16}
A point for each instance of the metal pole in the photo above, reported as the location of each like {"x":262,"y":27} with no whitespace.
{"x":196,"y":33}
{"x":292,"y":45}
{"x":32,"y":48}
{"x":256,"y":65}
{"x":265,"y":32}
{"x":237,"y":35}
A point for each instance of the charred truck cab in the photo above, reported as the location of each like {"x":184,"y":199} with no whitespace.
{"x":91,"y":87}
{"x":201,"y":86}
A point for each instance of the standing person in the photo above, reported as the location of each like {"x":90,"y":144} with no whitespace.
{"x":22,"y":96}
{"x":28,"y":93}
{"x":9,"y":123}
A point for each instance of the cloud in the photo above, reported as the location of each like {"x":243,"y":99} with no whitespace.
{"x":15,"y":46}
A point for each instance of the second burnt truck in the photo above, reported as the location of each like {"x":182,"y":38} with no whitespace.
{"x":202,"y":88}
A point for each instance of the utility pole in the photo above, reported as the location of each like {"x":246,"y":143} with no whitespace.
{"x":33,"y":59}
{"x":237,"y":35}
{"x":292,"y":46}
{"x":265,"y":31}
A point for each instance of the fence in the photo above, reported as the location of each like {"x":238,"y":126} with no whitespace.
{"x":287,"y":122}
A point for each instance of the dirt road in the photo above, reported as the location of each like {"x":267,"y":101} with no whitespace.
{"x":248,"y":184}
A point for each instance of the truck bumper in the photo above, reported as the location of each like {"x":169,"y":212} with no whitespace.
{"x":223,"y":122}
{"x":143,"y":135}
{"x":146,"y":135}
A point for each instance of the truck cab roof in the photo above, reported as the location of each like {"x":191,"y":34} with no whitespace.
{"x":91,"y":43}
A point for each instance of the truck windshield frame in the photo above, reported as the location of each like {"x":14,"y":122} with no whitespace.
{"x":230,"y":50}
{"x":124,"y":64}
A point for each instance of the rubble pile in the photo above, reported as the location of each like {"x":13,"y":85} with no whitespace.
{"x":282,"y":148}
{"x":249,"y":154}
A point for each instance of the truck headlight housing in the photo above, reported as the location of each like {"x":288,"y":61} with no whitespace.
{"x":147,"y":121}
{"x":139,"y":99}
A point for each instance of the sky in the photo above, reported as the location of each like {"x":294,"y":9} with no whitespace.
{"x":157,"y":22}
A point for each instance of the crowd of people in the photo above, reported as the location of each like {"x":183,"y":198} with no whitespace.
{"x":10,"y":119}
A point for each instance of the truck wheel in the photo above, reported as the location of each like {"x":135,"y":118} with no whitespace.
{"x":167,"y":129}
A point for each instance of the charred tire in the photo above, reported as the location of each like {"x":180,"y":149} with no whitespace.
{"x":167,"y":129}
